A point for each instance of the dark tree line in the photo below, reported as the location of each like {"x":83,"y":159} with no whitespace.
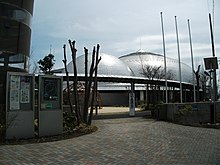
{"x":157,"y":73}
{"x":46,"y":64}
{"x":202,"y":78}
{"x":154,"y":73}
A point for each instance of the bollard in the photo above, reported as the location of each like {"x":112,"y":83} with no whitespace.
{"x":212,"y":113}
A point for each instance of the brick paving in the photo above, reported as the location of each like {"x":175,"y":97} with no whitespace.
{"x":124,"y":141}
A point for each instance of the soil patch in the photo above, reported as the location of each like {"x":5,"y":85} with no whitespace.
{"x":66,"y":135}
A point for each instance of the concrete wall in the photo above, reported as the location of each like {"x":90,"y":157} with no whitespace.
{"x":199,"y":113}
{"x":218,"y":112}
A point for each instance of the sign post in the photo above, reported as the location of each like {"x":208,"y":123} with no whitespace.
{"x":50,"y":105}
{"x":132,"y":101}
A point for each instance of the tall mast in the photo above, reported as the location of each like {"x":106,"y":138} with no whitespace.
{"x":193,"y":74}
{"x":164,"y":52}
{"x":178,"y":49}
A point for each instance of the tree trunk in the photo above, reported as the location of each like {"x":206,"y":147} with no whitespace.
{"x":197,"y":82}
{"x":67,"y":77}
{"x":75,"y":81}
{"x":86,"y":98}
{"x":95,"y":69}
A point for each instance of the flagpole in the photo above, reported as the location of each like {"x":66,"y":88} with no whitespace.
{"x":191,"y":50}
{"x":213,"y":54}
{"x":214,"y":70}
{"x":178,"y":49}
{"x":164,"y":52}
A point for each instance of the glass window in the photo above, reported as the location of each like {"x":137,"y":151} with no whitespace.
{"x":15,"y":13}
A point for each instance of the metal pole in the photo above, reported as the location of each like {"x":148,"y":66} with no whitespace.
{"x":178,"y":48}
{"x":214,"y":70}
{"x":164,"y":52}
{"x":213,"y":53}
{"x":193,"y":74}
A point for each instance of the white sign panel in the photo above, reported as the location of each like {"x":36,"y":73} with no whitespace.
{"x":14,"y":92}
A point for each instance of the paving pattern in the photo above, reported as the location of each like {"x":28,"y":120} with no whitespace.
{"x":130,"y":141}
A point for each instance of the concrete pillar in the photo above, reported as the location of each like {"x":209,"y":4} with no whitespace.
{"x":132,"y":101}
{"x":142,"y":95}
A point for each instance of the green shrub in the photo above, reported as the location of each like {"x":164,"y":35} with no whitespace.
{"x":218,"y":117}
{"x":183,"y":112}
{"x":69,"y":121}
{"x":36,"y":125}
{"x":143,"y":105}
{"x":2,"y":129}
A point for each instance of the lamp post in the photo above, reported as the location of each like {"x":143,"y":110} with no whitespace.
{"x":178,"y":50}
{"x":213,"y":53}
{"x":164,"y":52}
{"x":191,"y":51}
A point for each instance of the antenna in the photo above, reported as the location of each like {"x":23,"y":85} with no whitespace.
{"x":140,"y":50}
{"x":140,"y":44}
{"x":208,"y":6}
{"x":213,"y":13}
{"x":50,"y":48}
{"x":211,"y":6}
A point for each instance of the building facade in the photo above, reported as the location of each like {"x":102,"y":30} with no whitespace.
{"x":15,"y":33}
{"x":131,"y":65}
{"x":15,"y":36}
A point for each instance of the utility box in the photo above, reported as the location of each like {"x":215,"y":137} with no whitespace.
{"x":50,"y":109}
{"x":19,"y":105}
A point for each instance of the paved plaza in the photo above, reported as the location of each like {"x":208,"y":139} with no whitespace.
{"x":132,"y":141}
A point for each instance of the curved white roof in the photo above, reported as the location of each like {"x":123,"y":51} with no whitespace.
{"x":137,"y":60}
{"x":109,"y":65}
{"x":132,"y":65}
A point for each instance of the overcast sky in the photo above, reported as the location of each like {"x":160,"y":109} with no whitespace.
{"x":123,"y":26}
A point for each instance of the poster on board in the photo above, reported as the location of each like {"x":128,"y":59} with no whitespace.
{"x":25,"y":89}
{"x":14,"y":92}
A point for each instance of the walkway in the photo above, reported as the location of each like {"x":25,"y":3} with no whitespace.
{"x":124,"y":141}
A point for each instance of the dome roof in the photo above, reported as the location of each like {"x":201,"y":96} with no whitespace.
{"x":137,"y":60}
{"x":109,"y":65}
{"x":132,"y":65}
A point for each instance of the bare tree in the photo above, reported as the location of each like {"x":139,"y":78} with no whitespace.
{"x":203,"y":80}
{"x":94,"y":92}
{"x":32,"y":66}
{"x":197,"y":74}
{"x":75,"y":81}
{"x":86,"y":97}
{"x":154,"y":73}
{"x":67,"y":81}
{"x":91,"y":84}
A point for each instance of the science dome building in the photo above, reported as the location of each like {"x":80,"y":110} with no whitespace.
{"x":128,"y":66}
{"x":132,"y":65}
